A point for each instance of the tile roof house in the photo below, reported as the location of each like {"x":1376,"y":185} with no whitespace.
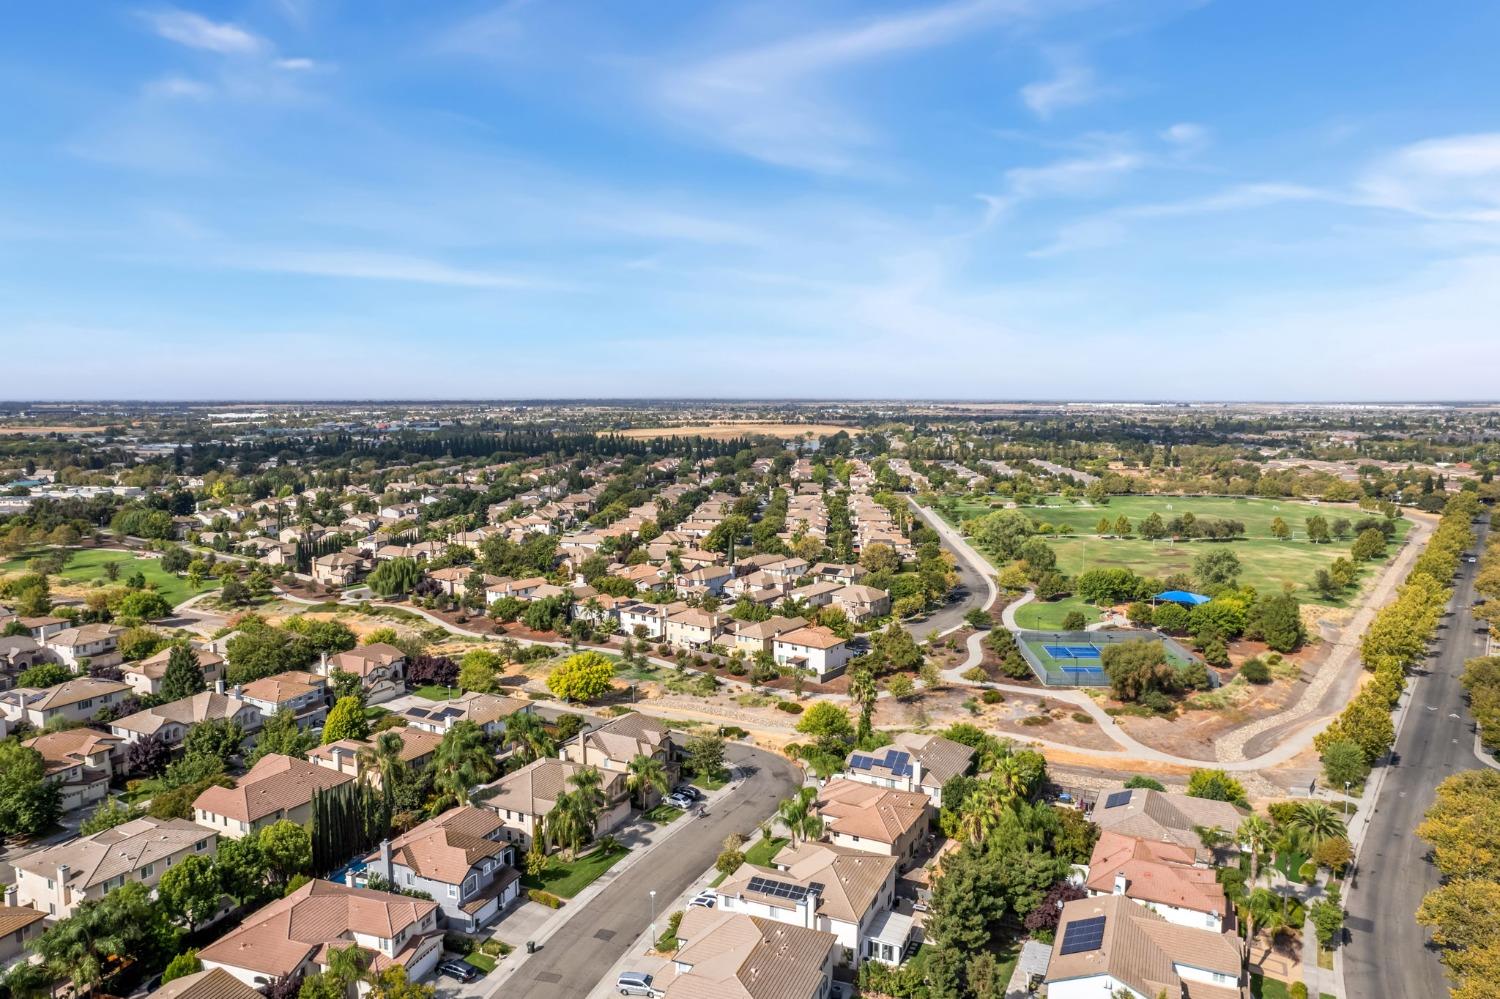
{"x":19,"y":925}
{"x":860,"y":603}
{"x":293,"y":935}
{"x":98,"y":643}
{"x":59,"y":878}
{"x":1110,"y":943}
{"x":523,"y":799}
{"x":462,"y":859}
{"x":347,"y":756}
{"x":693,"y":628}
{"x":726,"y":955}
{"x":876,"y":819}
{"x":1167,"y":818}
{"x":813,"y":648}
{"x":145,"y":676}
{"x":381,"y":668}
{"x":80,"y":761}
{"x":304,"y":694}
{"x":215,"y":983}
{"x":488,"y":711}
{"x":277,"y":787}
{"x":614,"y":744}
{"x":75,"y":700}
{"x":913,"y":762}
{"x":849,"y":893}
{"x":337,"y":568}
{"x":1164,"y":877}
{"x":172,"y":720}
{"x":757,"y":636}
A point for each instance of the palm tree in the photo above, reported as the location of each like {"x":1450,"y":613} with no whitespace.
{"x":462,"y":760}
{"x":384,"y":757}
{"x":348,"y":965}
{"x":1315,"y":822}
{"x":1254,"y":834}
{"x":863,"y":692}
{"x":981,"y":812}
{"x":644,"y":773}
{"x":528,"y":733}
{"x":793,"y":813}
{"x":564,"y":824}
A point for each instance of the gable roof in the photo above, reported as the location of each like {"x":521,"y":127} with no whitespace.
{"x":447,"y":847}
{"x":535,"y":788}
{"x":870,"y":812}
{"x":734,"y":956}
{"x":275,"y":783}
{"x":850,"y":880}
{"x":1139,"y":948}
{"x":129,"y":846}
{"x":1164,"y":873}
{"x":813,"y":637}
{"x":202,"y":706}
{"x":215,"y":983}
{"x":1158,"y":815}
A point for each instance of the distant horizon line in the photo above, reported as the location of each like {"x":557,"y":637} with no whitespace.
{"x":241,"y":402}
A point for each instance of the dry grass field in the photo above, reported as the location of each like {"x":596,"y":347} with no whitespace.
{"x":736,"y":428}
{"x":38,"y":430}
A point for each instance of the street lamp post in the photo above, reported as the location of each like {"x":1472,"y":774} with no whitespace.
{"x":653,"y":917}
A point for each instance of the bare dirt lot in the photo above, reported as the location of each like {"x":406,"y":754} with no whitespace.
{"x":736,"y":428}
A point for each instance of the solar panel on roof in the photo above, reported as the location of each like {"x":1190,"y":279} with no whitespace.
{"x":779,"y":889}
{"x":417,"y":712}
{"x":860,"y":762}
{"x":899,"y":763}
{"x":1083,"y":935}
{"x":1117,"y":799}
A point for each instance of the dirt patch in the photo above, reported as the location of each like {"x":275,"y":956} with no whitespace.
{"x":734,"y":428}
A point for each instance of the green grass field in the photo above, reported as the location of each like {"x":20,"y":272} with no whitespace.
{"x":568,"y":879}
{"x":1267,"y":562}
{"x":1042,"y":615}
{"x":763,"y":851}
{"x":86,"y":566}
{"x":437,"y":692}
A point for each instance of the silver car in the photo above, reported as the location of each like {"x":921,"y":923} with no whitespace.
{"x":636,"y":983}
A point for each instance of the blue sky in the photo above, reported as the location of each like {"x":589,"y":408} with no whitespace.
{"x":974,"y":199}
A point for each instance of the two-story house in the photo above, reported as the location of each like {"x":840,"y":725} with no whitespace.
{"x":751,"y":637}
{"x":353,"y":756}
{"x":875,"y":819}
{"x":1166,"y":878}
{"x":337,"y":569}
{"x":381,"y":668}
{"x":728,"y":955}
{"x":80,"y":761}
{"x":913,"y":762}
{"x":1112,"y":946}
{"x":304,"y":694}
{"x":813,"y":648}
{"x":171,"y":721}
{"x":56,"y":880}
{"x":145,"y":677}
{"x":612,"y":746}
{"x":277,"y":787}
{"x":488,"y":711}
{"x":525,"y":798}
{"x":693,"y":628}
{"x":99,"y":644}
{"x":73,"y":700}
{"x":462,"y":859}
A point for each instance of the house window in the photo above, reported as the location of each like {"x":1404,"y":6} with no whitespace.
{"x":453,"y":891}
{"x":147,"y":871}
{"x":202,"y":844}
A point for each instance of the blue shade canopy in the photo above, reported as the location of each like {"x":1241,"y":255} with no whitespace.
{"x":1183,"y":597}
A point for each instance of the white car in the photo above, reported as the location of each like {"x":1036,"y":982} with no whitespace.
{"x":704,"y":900}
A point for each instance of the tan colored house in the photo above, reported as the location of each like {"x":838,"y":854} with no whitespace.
{"x":913,"y":762}
{"x":614,"y":744}
{"x":293,"y":935}
{"x":172,"y":720}
{"x":145,"y":677}
{"x":19,"y":925}
{"x":337,"y":569}
{"x":693,"y":628}
{"x":303,"y":694}
{"x":757,"y":636}
{"x":277,"y":787}
{"x":488,"y":711}
{"x":1108,"y":944}
{"x":80,"y":761}
{"x":73,"y":700}
{"x":462,"y":859}
{"x":1166,"y":878}
{"x":1164,"y":817}
{"x":525,"y":798}
{"x":98,"y":643}
{"x":876,"y":819}
{"x":726,"y":955}
{"x":57,"y":879}
{"x":381,"y":668}
{"x":215,"y":983}
{"x":860,"y":603}
{"x":814,"y":648}
{"x":346,"y":756}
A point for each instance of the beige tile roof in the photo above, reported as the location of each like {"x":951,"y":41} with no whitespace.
{"x":535,"y":788}
{"x":282,"y":687}
{"x":1164,"y":873}
{"x":276,"y":782}
{"x":155,"y":666}
{"x":447,"y":847}
{"x":941,"y":759}
{"x":93,"y":860}
{"x":734,"y":956}
{"x":769,"y":628}
{"x":1171,"y":817}
{"x":202,"y":706}
{"x":812,"y":637}
{"x":17,"y":917}
{"x":85,"y":634}
{"x":1139,"y":948}
{"x":362,"y":659}
{"x":68,"y":693}
{"x":317,"y":916}
{"x":70,"y":746}
{"x":626,"y":737}
{"x":869,"y":812}
{"x":852,"y":880}
{"x":215,"y":983}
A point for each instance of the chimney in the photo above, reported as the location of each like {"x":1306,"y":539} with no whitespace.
{"x":1121,"y":883}
{"x":323,"y":663}
{"x":806,"y":910}
{"x":11,"y":891}
{"x":916,"y":772}
{"x":387,"y":868}
{"x":349,"y":878}
{"x":237,"y":690}
{"x":218,"y":686}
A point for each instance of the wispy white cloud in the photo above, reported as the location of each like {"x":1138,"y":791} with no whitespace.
{"x":492,"y":33}
{"x":368,"y":266}
{"x":1071,"y":83}
{"x":177,"y":87}
{"x":1454,"y":178}
{"x":298,"y":64}
{"x":196,"y":31}
{"x":1076,"y":176}
{"x":1186,"y":136}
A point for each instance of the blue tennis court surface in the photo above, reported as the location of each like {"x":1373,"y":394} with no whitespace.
{"x":1090,"y":670}
{"x":1070,"y":651}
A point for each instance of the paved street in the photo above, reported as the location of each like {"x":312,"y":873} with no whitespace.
{"x":587,"y":946}
{"x":1388,"y":956}
{"x":973,"y":588}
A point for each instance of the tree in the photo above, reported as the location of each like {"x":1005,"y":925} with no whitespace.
{"x":346,"y":720}
{"x":900,"y":686}
{"x":86,"y":947}
{"x":705,"y":753}
{"x":528,"y":733}
{"x":583,"y":676}
{"x":478,"y":669}
{"x":110,"y":813}
{"x":184,"y":677}
{"x":43,"y":675}
{"x":287,"y":849}
{"x":29,"y":803}
{"x":863,"y":692}
{"x":1217,"y":567}
{"x":1216,"y":785}
{"x":191,"y":889}
{"x":1314,"y":822}
{"x":1369,"y":546}
{"x":828,"y":724}
{"x":642,"y":774}
{"x":1147,"y":783}
{"x":385,"y":758}
{"x":1137,"y":668}
{"x":282,"y":735}
{"x":395,"y":576}
{"x":1281,"y":622}
{"x":182,"y":965}
{"x":1152,"y":528}
{"x":1317,"y":529}
{"x":1327,"y":916}
{"x":218,"y":738}
{"x":241,"y":867}
{"x":1279,"y":529}
{"x":462,"y":760}
{"x":392,"y":983}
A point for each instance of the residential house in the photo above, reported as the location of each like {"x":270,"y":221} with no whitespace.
{"x":816,"y":594}
{"x":57,"y":879}
{"x":913,"y":762}
{"x":693,"y":628}
{"x":294,"y":935}
{"x":73,"y":700}
{"x":277,"y":787}
{"x":303,"y":694}
{"x":707,"y":581}
{"x":860,"y":603}
{"x":843,"y":573}
{"x":849,"y":893}
{"x":814,"y":648}
{"x":1166,"y":878}
{"x":349,"y":756}
{"x":18,"y":653}
{"x":488,"y":711}
{"x":171,"y":721}
{"x":612,"y":746}
{"x":1112,"y":946}
{"x":145,"y":677}
{"x":648,"y":620}
{"x":99,"y":644}
{"x":876,"y":819}
{"x":43,"y":628}
{"x":751,"y":637}
{"x":726,"y":955}
{"x":462,"y":859}
{"x":80,"y":761}
{"x":215,"y":983}
{"x":645,"y":576}
{"x":525,"y":798}
{"x":19,"y":925}
{"x":1166,"y":818}
{"x":381,"y":668}
{"x":337,"y":569}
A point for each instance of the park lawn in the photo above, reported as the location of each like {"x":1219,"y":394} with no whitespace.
{"x":86,"y":566}
{"x":437,"y":692}
{"x":1047,"y":615}
{"x":763,"y":851}
{"x":1267,"y":563}
{"x":566,"y":879}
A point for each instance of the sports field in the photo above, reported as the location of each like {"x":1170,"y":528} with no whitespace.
{"x":1074,"y":657}
{"x":1266,"y":562}
{"x":86,"y":566}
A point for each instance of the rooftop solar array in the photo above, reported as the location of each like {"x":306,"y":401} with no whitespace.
{"x":1117,"y":799}
{"x":782,"y":889}
{"x":1083,"y":935}
{"x":895,"y":761}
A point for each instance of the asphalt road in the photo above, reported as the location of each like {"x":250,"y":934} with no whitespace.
{"x":972,"y":590}
{"x":587,"y":946}
{"x":1389,"y":955}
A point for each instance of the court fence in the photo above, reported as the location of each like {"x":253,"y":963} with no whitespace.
{"x":1076,"y":671}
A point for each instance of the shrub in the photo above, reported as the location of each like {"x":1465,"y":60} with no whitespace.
{"x":790,"y":707}
{"x":976,"y":675}
{"x":1298,"y":990}
{"x":458,"y":943}
{"x":546,"y":898}
{"x":1256,"y":671}
{"x":1032,"y":721}
{"x":992,"y":697}
{"x":1074,"y":621}
{"x":1083,"y":718}
{"x":1147,"y":783}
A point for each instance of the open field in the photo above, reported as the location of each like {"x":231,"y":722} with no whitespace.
{"x":1044,"y":615}
{"x":735,"y":428}
{"x":1267,"y":562}
{"x":86,"y":566}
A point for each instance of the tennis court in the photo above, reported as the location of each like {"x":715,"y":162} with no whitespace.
{"x":1088,"y":650}
{"x":1075,"y":659}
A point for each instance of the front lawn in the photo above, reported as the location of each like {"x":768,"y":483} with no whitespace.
{"x":763,"y":851}
{"x":483,"y":962}
{"x":664,"y":813}
{"x":566,"y":879}
{"x":437,"y":692}
{"x":1048,"y":615}
{"x":711,"y":784}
